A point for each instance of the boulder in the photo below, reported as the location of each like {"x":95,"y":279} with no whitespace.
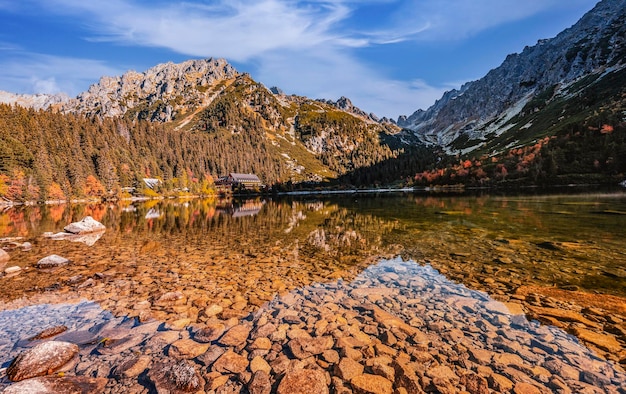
{"x":41,"y":360}
{"x":58,"y":385}
{"x":85,"y":226}
{"x":52,"y":261}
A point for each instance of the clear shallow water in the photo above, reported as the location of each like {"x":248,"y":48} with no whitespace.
{"x":445,"y":323}
{"x":258,"y":247}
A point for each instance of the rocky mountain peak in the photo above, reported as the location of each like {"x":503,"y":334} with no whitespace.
{"x":344,"y":104}
{"x":596,"y":42}
{"x":157,"y":94}
{"x":36,"y":101}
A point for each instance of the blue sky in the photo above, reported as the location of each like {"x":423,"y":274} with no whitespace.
{"x":389,"y":57}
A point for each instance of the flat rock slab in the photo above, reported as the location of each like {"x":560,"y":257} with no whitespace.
{"x":49,"y":332}
{"x":57,"y":385}
{"x":41,"y":360}
{"x":87,"y":225}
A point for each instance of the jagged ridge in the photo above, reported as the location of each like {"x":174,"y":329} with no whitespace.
{"x":594,"y":44}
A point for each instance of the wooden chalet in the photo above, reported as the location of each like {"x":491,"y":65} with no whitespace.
{"x":234,"y":180}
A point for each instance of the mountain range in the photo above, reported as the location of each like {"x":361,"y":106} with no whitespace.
{"x":524,"y":121}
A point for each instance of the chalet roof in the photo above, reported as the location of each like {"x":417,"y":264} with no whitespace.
{"x":244,"y":177}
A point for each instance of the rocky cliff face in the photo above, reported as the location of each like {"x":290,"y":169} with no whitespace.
{"x":36,"y":101}
{"x":594,"y":44}
{"x":159,"y":94}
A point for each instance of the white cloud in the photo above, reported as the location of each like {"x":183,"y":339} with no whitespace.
{"x":238,"y":29}
{"x":305,"y":47}
{"x":458,"y":19}
{"x":24,"y":72}
{"x":330,"y":73}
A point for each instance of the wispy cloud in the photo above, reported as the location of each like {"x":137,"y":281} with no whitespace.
{"x":330,"y":73}
{"x":238,"y":29}
{"x":459,"y":19}
{"x":304,"y":46}
{"x":24,"y":72}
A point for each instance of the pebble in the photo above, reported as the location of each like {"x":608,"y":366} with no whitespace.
{"x":463,"y":341}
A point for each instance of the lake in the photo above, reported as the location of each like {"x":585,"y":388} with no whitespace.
{"x":461,"y":272}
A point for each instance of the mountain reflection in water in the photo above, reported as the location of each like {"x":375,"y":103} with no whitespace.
{"x":198,"y":259}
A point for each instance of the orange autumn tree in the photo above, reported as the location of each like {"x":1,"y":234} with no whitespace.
{"x":93,"y":187}
{"x":55,"y":192}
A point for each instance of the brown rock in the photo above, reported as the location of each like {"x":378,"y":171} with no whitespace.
{"x":261,"y":343}
{"x":215,"y":380}
{"x":330,"y":356}
{"x":371,"y":384}
{"x":174,"y":378}
{"x":173,"y":297}
{"x":186,"y":349}
{"x":507,"y":359}
{"x":475,"y":384}
{"x":231,"y":362}
{"x":259,"y":364}
{"x":213,"y":310}
{"x":562,"y":315}
{"x":318,"y":345}
{"x":406,"y":377}
{"x":58,"y":385}
{"x":525,"y":388}
{"x":132,"y":368}
{"x":260,"y":383}
{"x":389,"y":321}
{"x":264,"y":330}
{"x":209,"y":333}
{"x":348,"y":368}
{"x":603,"y":341}
{"x":499,"y":383}
{"x":236,"y":336}
{"x":41,"y":360}
{"x":209,"y":357}
{"x":303,"y":381}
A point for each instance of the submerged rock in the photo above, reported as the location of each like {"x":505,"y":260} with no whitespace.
{"x":58,"y":385}
{"x":41,"y":360}
{"x":49,"y":332}
{"x":85,"y":226}
{"x":52,"y":261}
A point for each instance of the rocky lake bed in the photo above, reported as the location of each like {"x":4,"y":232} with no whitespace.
{"x":310,"y":298}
